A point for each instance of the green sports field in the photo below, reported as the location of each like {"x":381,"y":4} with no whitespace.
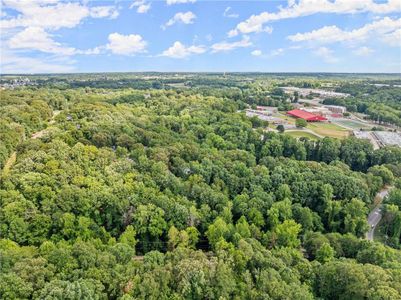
{"x":353,"y":124}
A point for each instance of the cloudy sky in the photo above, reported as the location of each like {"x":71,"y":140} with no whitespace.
{"x":42,"y":36}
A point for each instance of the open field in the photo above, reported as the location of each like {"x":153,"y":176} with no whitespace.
{"x":177,"y":85}
{"x":329,"y":129}
{"x":352,"y":124}
{"x":289,"y":119}
{"x":301,"y":133}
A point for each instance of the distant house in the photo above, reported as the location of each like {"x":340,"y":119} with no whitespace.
{"x":309,"y":117}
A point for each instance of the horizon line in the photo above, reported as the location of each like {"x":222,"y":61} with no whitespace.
{"x":201,"y":72}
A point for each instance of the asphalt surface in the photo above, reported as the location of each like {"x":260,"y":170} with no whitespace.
{"x":373,"y":219}
{"x":376,"y":214}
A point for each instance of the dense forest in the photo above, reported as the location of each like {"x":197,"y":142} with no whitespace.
{"x":148,"y":192}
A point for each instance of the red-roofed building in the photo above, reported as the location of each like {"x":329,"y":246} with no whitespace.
{"x":309,"y":117}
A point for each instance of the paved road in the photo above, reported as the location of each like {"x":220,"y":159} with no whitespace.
{"x":373,"y":219}
{"x":376,"y":214}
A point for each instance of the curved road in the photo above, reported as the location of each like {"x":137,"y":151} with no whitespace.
{"x":376,"y":214}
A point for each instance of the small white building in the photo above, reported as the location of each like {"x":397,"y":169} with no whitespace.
{"x":320,"y":111}
{"x":336,"y":109}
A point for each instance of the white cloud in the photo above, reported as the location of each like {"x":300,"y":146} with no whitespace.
{"x":277,"y":52}
{"x":142,"y":9}
{"x":36,"y":38}
{"x":232,"y":33}
{"x":326,"y":54}
{"x":255,"y":23}
{"x":229,"y":14}
{"x":226,"y":46}
{"x":126,"y":44}
{"x":171,"y":2}
{"x":104,"y":12}
{"x":180,"y":17}
{"x":52,"y":14}
{"x":363,"y":51}
{"x":249,"y":27}
{"x":325,"y":34}
{"x":142,"y":6}
{"x":393,"y":38}
{"x":256,"y":53}
{"x":93,"y":51}
{"x":11,"y":63}
{"x":333,"y":34}
{"x":178,"y":50}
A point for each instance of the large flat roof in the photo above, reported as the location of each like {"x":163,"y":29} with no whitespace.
{"x":298,"y":113}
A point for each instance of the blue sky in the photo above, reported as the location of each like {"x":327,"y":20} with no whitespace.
{"x":41,"y":36}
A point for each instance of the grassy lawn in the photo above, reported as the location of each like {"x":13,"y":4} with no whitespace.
{"x":329,"y":129}
{"x":289,"y":119}
{"x":178,"y":85}
{"x":300,"y":133}
{"x":353,"y":124}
